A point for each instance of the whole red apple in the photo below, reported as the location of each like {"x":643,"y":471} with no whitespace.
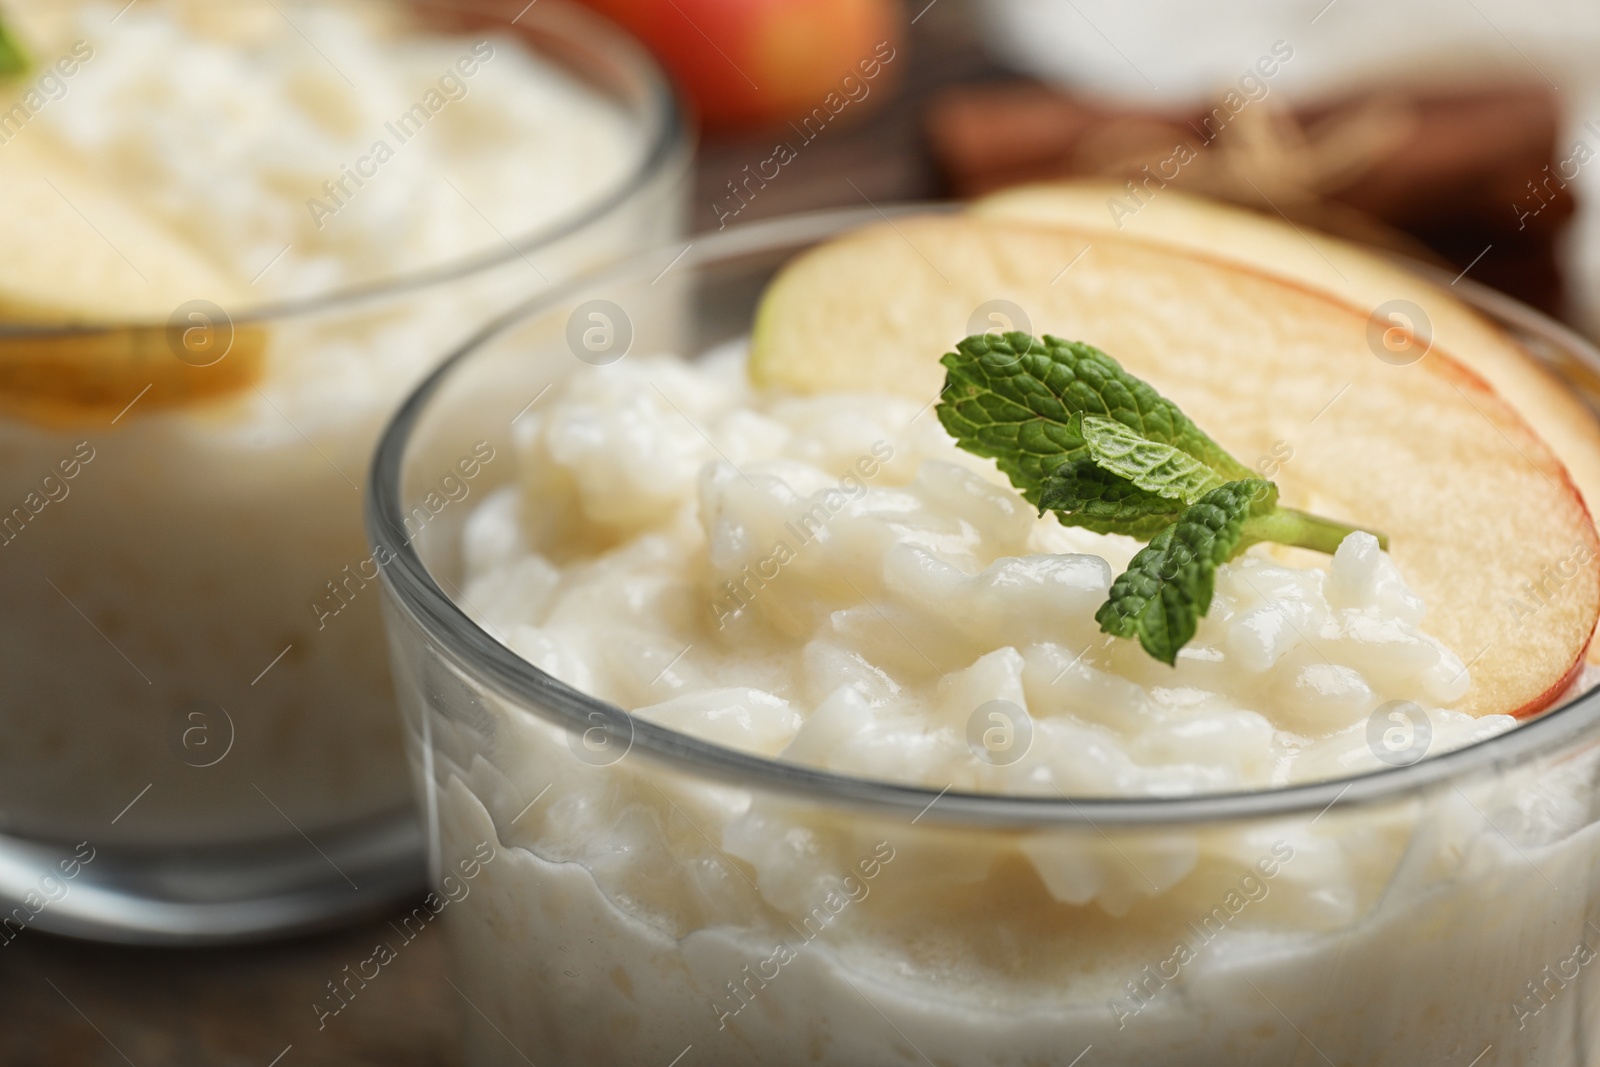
{"x":746,"y":63}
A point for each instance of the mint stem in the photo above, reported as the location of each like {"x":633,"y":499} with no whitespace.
{"x":1301,"y":529}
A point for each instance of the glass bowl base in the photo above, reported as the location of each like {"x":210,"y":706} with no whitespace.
{"x":210,"y":895}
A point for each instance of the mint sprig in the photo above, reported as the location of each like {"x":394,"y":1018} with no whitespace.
{"x":13,"y":57}
{"x":1082,"y":437}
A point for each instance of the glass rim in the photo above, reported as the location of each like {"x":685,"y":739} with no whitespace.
{"x":666,"y":128}
{"x":485,"y":660}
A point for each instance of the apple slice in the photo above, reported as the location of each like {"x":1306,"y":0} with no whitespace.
{"x":1473,"y":500}
{"x":1335,"y":267}
{"x":81,"y":259}
{"x":1332,"y":266}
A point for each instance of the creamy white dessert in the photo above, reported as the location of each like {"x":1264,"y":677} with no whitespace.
{"x":303,"y":148}
{"x":828,"y":580}
{"x":195,"y":611}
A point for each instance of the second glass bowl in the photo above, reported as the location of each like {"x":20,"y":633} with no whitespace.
{"x":196,"y":688}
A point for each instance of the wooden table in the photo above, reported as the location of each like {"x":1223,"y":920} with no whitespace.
{"x":71,"y":1003}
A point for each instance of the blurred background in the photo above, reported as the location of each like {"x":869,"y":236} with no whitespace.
{"x":1447,"y":130}
{"x":1460,"y":132}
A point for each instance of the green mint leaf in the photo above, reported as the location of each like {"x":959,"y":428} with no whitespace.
{"x":1011,"y":398}
{"x":1082,"y":437}
{"x":1168,"y":585}
{"x":994,"y":407}
{"x":1122,"y":483}
{"x":1151,"y":465}
{"x":13,"y":57}
{"x":1082,"y":493}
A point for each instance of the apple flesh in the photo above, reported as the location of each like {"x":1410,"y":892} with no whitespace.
{"x":61,"y":274}
{"x":751,"y":63}
{"x":1473,"y":500}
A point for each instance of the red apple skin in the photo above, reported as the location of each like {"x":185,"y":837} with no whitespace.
{"x":1543,"y":701}
{"x":753,"y":63}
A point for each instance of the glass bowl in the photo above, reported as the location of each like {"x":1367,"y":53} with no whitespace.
{"x":618,"y":892}
{"x":197,"y":690}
